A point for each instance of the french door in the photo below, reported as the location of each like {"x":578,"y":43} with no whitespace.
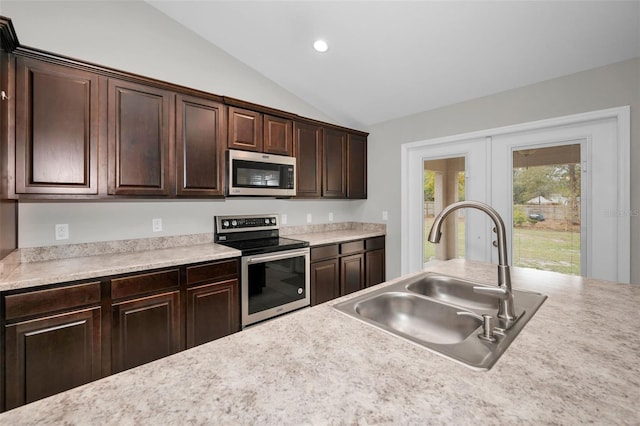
{"x":471,"y":153}
{"x":602,"y":139}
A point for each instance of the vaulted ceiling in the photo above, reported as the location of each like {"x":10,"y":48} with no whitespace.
{"x":389,"y":59}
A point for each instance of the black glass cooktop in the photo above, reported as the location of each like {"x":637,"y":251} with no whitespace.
{"x":265,"y":245}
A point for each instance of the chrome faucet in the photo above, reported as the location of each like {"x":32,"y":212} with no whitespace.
{"x":503,"y":292}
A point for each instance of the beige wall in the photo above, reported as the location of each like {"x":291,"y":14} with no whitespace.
{"x":610,"y":86}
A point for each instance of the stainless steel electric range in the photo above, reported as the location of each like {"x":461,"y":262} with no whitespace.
{"x":274,"y":270}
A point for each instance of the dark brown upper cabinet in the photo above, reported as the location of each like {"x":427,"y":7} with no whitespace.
{"x":278,"y":135}
{"x":244,"y":129}
{"x":356,"y":166}
{"x":334,"y":164}
{"x":56,"y":131}
{"x":200,"y":142}
{"x":140,"y":139}
{"x":70,"y":129}
{"x":307,"y":148}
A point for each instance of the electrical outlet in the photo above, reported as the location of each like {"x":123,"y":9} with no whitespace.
{"x":283,"y":219}
{"x":62,"y":231}
{"x":385,"y":215}
{"x":330,"y":216}
{"x":156,"y":225}
{"x":308,"y":217}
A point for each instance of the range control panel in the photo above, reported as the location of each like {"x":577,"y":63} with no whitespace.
{"x":225,"y":224}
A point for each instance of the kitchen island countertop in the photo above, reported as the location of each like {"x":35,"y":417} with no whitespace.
{"x":576,"y":361}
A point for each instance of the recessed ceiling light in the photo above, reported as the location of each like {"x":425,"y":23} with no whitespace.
{"x":320,"y":45}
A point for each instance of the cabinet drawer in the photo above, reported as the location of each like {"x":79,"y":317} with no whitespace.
{"x":352,"y":247}
{"x":51,"y":300}
{"x":324,"y":252}
{"x":212,"y":271}
{"x":144,"y":283}
{"x":374,"y":243}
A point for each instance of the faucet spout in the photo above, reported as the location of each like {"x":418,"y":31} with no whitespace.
{"x":506,"y":309}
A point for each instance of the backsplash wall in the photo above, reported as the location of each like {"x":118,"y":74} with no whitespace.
{"x":115,"y":220}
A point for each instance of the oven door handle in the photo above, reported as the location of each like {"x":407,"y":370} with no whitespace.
{"x":281,"y":255}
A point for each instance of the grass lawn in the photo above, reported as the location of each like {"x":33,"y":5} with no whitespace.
{"x":545,"y":249}
{"x":550,"y":250}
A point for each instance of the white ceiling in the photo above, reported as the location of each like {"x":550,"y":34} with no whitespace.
{"x":388,"y":59}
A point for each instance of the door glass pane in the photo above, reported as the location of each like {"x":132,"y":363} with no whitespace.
{"x":546,"y":208}
{"x":444,"y":183}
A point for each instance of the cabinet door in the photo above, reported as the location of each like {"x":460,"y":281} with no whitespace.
{"x":140,"y":139}
{"x":145,"y":329}
{"x":212,"y":312}
{"x":245,"y":129}
{"x":356,"y":166}
{"x":49,"y":355}
{"x":334,"y":164}
{"x":351,"y":273}
{"x":375,"y":267}
{"x":307,"y":148}
{"x":200,"y":146}
{"x":56,"y":129}
{"x":278,"y":135}
{"x":325,"y":281}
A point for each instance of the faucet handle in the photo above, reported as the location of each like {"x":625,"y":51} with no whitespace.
{"x":487,"y":330}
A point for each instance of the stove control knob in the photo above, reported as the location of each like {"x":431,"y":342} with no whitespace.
{"x":234,"y":223}
{"x":266,"y":221}
{"x":273,"y":220}
{"x":225,"y":223}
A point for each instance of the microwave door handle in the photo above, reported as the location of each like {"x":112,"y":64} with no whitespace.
{"x":286,"y":255}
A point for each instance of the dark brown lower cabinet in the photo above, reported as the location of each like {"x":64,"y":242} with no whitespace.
{"x":212,"y":312}
{"x":144,"y":330}
{"x":325,"y":281}
{"x":52,"y":354}
{"x":375,"y":267}
{"x":339,"y":269}
{"x":66,"y":335}
{"x":351,"y":273}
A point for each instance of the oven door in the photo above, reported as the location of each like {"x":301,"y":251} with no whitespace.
{"x":274,"y":283}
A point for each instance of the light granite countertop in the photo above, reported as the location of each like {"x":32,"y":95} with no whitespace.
{"x":332,"y":237}
{"x":67,"y":263}
{"x":576,"y":361}
{"x":33,"y":274}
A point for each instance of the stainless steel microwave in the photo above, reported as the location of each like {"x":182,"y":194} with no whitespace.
{"x":259,"y":174}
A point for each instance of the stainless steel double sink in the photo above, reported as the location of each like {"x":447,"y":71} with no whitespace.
{"x":444,"y":314}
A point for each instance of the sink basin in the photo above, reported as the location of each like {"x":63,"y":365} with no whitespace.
{"x":420,"y":318}
{"x":453,"y":290}
{"x":423,"y":309}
